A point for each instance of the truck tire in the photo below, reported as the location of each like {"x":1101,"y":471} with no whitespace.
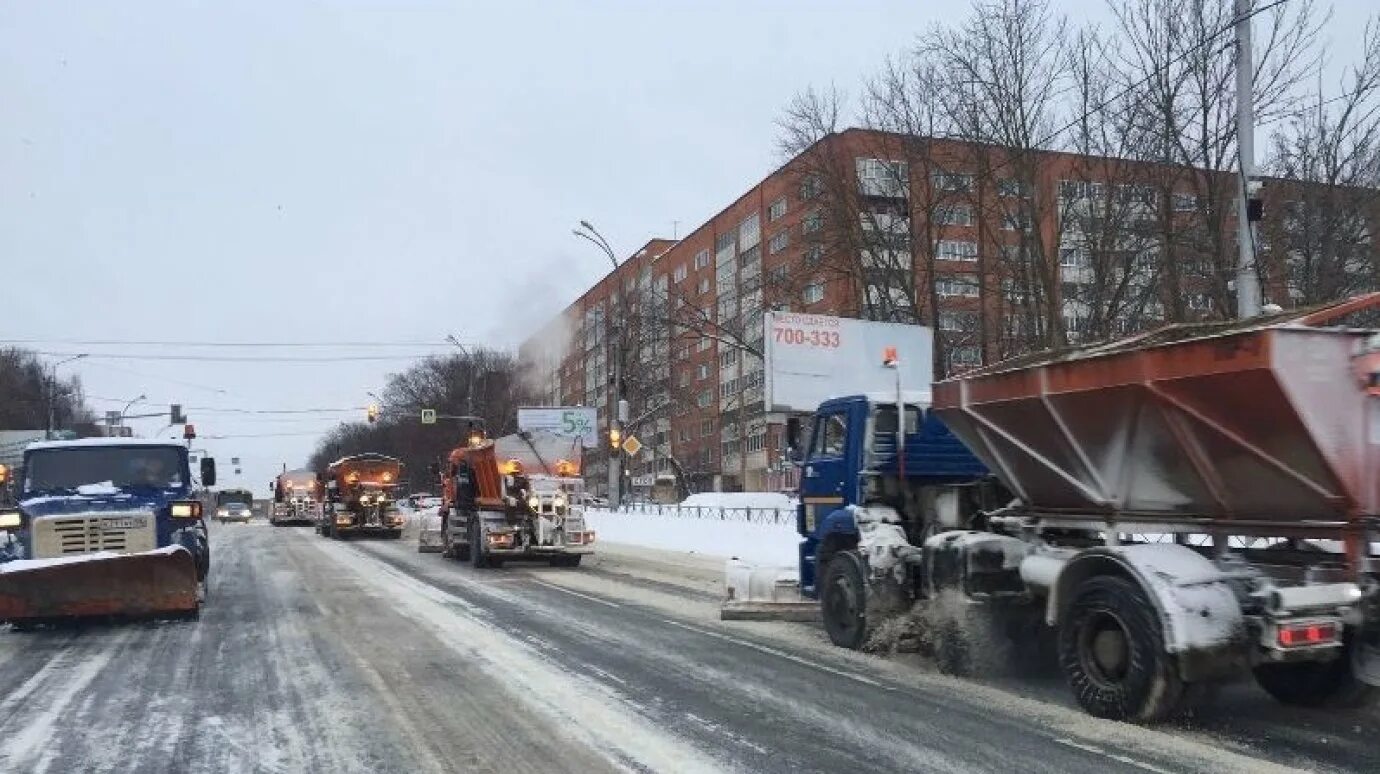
{"x":1111,"y":648}
{"x":843,"y":599}
{"x":1316,"y":683}
{"x":479,"y":558}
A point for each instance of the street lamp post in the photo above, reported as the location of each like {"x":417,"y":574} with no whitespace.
{"x":52,"y":394}
{"x":590,"y":234}
{"x":128,"y":406}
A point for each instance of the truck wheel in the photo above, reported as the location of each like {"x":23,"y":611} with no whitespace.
{"x":479,"y":558}
{"x":1316,"y":683}
{"x":843,"y":599}
{"x":1111,"y":648}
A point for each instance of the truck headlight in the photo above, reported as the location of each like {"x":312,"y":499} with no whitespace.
{"x":11,"y":520}
{"x":187,"y":509}
{"x":559,"y":502}
{"x":534,"y":503}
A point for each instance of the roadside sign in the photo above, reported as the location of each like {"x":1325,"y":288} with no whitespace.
{"x":632,"y":446}
{"x":234,"y":460}
{"x":645,"y":482}
{"x":428,"y":416}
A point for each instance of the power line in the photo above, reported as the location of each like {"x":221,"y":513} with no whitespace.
{"x":232,"y":344}
{"x":239,"y":358}
{"x":169,"y":380}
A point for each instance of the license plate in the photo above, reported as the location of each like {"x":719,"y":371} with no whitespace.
{"x":126,"y":523}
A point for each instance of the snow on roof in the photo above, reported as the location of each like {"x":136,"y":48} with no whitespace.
{"x":90,"y":442}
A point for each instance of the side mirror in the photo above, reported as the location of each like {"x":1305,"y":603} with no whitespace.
{"x":208,"y":472}
{"x":434,"y":468}
{"x":793,"y":435}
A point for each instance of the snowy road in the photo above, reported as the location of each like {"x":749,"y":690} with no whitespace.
{"x":317,"y":655}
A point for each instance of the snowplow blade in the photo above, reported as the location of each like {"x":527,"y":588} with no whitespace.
{"x":149,"y":584}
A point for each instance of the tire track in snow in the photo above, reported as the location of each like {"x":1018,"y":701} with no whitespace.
{"x":589,"y":711}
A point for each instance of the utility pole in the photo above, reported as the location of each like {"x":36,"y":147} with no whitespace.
{"x":1247,"y":281}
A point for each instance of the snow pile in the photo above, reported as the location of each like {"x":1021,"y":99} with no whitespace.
{"x":739,"y":500}
{"x":773,"y":544}
{"x":98,"y":490}
{"x":20,"y":565}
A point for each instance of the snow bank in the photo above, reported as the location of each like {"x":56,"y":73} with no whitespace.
{"x":96,"y":490}
{"x":762,"y":543}
{"x":739,"y":500}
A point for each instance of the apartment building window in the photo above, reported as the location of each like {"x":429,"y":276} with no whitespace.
{"x":776,"y":210}
{"x":702,"y":371}
{"x":957,"y":183}
{"x":750,"y":257}
{"x":728,"y":358}
{"x":1016,"y":220}
{"x":778,"y":242}
{"x":704,"y":344}
{"x":958,"y":322}
{"x":701,"y":259}
{"x":730,"y":448}
{"x":1199,"y":302}
{"x":756,"y":443}
{"x":724,"y":241}
{"x":683,"y":435}
{"x":705,"y":398}
{"x":1185,"y":202}
{"x":1073,"y":258}
{"x":680,"y":273}
{"x":810,"y":187}
{"x":879,"y":177}
{"x":965,"y":356}
{"x":814,"y":256}
{"x":749,"y":232}
{"x":778,"y":275}
{"x":956,"y":250}
{"x":703,"y":287}
{"x":683,"y":379}
{"x":706,"y":428}
{"x":955,"y":215}
{"x":813,"y":293}
{"x":812,"y":223}
{"x":1011,"y":187}
{"x":958,"y":285}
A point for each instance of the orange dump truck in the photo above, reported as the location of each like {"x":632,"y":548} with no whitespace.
{"x":514,"y":497}
{"x":359,"y":497}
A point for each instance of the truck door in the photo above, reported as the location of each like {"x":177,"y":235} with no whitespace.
{"x":825,"y":482}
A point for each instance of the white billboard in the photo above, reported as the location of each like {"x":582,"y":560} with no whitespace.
{"x":812,"y":357}
{"x":564,"y":421}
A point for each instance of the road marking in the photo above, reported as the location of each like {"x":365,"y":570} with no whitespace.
{"x":1129,"y":761}
{"x":575,"y":593}
{"x":781,"y":654}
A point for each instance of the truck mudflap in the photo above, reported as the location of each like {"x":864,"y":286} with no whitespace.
{"x":150,"y":584}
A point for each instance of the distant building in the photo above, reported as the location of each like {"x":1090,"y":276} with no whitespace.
{"x":1000,"y":252}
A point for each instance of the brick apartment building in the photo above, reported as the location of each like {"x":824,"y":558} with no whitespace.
{"x":1001,"y":252}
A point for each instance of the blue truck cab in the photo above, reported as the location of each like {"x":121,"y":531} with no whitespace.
{"x":112,"y":495}
{"x":851,"y":460}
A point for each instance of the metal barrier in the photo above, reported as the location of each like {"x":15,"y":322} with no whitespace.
{"x":707,"y":513}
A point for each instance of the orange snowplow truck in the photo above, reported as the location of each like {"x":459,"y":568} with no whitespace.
{"x":359,"y":497}
{"x":516,"y":508}
{"x":296,"y":498}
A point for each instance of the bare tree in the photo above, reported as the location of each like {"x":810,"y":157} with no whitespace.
{"x":26,"y":387}
{"x":1177,"y":68}
{"x":1328,"y":196}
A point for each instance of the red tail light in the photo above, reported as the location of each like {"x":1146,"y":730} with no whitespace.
{"x":1313,"y":633}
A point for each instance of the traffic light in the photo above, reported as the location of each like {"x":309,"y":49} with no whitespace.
{"x":4,"y":473}
{"x":615,"y":437}
{"x":373,"y":412}
{"x":189,"y":432}
{"x":176,"y":416}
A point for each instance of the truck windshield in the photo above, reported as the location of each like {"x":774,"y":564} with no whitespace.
{"x":149,"y":467}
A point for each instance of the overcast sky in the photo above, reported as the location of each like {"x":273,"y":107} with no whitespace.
{"x":376,"y":172}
